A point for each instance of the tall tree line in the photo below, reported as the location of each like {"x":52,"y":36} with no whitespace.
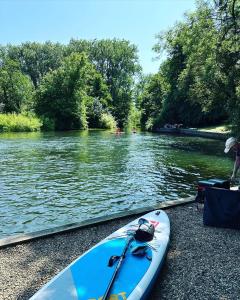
{"x":82,"y":84}
{"x":199,"y":82}
{"x":93,"y":83}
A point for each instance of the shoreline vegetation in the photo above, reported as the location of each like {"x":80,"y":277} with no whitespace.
{"x":19,"y":123}
{"x":13,"y":122}
{"x":100,"y":84}
{"x":24,"y":123}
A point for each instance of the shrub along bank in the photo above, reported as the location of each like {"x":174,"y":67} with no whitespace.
{"x":19,"y":122}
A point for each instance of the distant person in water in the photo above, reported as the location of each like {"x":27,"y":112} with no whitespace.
{"x":233,"y":145}
{"x":118,"y":131}
{"x":134,"y":130}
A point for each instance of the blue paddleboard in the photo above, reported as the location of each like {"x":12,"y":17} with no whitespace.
{"x":88,"y":277}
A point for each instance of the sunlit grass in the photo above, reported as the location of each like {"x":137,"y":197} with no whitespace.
{"x":19,"y":123}
{"x":220,"y":128}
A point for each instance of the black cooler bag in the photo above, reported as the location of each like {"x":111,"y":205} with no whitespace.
{"x":222,"y":208}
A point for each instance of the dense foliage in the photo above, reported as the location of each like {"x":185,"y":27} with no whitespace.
{"x":79,"y":85}
{"x":72,"y":95}
{"x":15,"y":88}
{"x":198,"y":82}
{"x":117,"y":62}
{"x":93,"y":83}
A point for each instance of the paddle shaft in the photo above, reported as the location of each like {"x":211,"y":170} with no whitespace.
{"x":117,"y":268}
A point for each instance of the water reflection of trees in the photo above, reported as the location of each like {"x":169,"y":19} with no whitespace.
{"x":72,"y":175}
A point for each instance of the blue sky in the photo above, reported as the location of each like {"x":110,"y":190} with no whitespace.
{"x":60,"y":20}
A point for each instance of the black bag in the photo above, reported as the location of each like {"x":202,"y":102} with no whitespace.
{"x":204,"y":184}
{"x":145,"y":232}
{"x":222,"y":208}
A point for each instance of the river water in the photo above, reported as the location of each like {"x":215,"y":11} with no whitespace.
{"x":51,"y":179}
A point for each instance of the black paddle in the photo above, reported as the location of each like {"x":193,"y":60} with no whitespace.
{"x":120,"y":260}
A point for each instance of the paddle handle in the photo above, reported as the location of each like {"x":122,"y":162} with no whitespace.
{"x":117,"y":268}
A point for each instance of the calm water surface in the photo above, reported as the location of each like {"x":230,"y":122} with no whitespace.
{"x":50,"y":179}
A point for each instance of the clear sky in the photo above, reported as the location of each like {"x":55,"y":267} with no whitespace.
{"x":60,"y":20}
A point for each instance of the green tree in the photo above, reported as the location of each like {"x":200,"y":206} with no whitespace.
{"x":151,"y":100}
{"x":191,"y":71}
{"x":36,"y":59}
{"x":16,"y":90}
{"x":99,"y":100}
{"x":67,"y":95}
{"x":173,"y":102}
{"x":117,"y":62}
{"x":226,"y":14}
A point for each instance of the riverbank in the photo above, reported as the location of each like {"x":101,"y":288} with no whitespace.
{"x":19,"y":123}
{"x":202,"y":262}
{"x":193,"y":132}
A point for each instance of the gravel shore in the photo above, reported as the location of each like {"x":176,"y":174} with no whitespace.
{"x":202,"y":262}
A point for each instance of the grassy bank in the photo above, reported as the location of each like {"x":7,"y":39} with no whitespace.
{"x":224,"y":128}
{"x":19,"y":123}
